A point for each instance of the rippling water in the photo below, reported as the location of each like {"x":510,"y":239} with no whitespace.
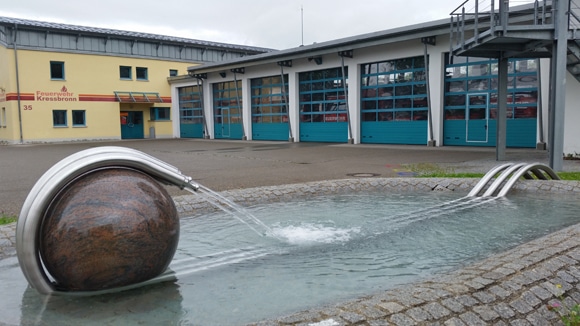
{"x":322,"y":250}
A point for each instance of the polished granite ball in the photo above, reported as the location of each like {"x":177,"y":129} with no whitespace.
{"x":109,"y":228}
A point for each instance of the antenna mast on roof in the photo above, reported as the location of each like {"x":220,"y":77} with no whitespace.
{"x":302,"y":23}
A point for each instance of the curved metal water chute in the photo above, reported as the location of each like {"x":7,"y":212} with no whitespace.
{"x":535,"y":168}
{"x":59,"y":176}
{"x":509,"y":174}
{"x":502,"y":178}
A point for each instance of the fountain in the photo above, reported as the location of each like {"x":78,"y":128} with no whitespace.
{"x":286,"y":242}
{"x":98,"y":220}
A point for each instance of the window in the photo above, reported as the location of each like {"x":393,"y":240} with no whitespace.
{"x":78,"y":118}
{"x":269,"y":99}
{"x":471,"y":87}
{"x":125,"y":72}
{"x":3,"y":118}
{"x":227,"y":102}
{"x":322,"y":96}
{"x":159,"y":114}
{"x":190,"y":105}
{"x":59,"y":118}
{"x":57,"y":70}
{"x":172,"y":72}
{"x":141,"y":73}
{"x":394,"y":90}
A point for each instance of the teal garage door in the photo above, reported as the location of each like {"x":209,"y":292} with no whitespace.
{"x":323,"y":110}
{"x":269,"y":109}
{"x":191,"y":119}
{"x":471,"y":102}
{"x":394,"y":102}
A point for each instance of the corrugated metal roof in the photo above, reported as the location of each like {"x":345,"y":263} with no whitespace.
{"x":398,"y":34}
{"x":126,"y":34}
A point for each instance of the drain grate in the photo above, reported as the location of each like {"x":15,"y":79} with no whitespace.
{"x":363,"y":174}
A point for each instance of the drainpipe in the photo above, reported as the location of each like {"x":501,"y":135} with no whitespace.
{"x":285,"y":97}
{"x":539,"y":108}
{"x":426,"y":41}
{"x":17,"y":82}
{"x":205,"y":129}
{"x":348,"y":54}
{"x":239,"y":104}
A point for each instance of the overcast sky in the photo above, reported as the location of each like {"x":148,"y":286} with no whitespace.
{"x":263,"y":23}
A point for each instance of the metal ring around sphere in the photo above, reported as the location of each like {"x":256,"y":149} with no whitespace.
{"x":58,"y":176}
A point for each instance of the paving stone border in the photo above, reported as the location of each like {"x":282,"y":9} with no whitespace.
{"x":511,"y":288}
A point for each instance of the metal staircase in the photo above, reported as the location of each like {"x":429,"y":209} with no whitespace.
{"x":482,"y":28}
{"x":537,"y":29}
{"x":573,"y":55}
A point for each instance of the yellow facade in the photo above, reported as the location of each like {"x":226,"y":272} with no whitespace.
{"x":89,"y":84}
{"x":7,"y":118}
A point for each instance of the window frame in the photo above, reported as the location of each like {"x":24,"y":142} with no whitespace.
{"x":156,"y":115}
{"x":522,"y":90}
{"x":269,"y":98}
{"x":323,"y":96}
{"x":142,"y":70}
{"x":190,"y":105}
{"x":54,"y":119}
{"x":226,"y":95}
{"x":84,"y":118}
{"x":130,"y":70}
{"x":53,"y":72}
{"x":173,"y":73}
{"x":394,"y":90}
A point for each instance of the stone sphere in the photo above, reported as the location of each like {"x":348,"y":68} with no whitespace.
{"x":108,"y":228}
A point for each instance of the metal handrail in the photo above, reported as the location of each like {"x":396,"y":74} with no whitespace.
{"x":481,"y":13}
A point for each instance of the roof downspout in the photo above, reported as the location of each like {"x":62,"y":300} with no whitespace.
{"x":348,"y":54}
{"x":285,"y":97}
{"x":244,"y":137}
{"x":540,"y":114}
{"x":428,"y":41}
{"x":17,"y":82}
{"x":205,"y":129}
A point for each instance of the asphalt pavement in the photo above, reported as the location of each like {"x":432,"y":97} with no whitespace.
{"x":226,"y":165}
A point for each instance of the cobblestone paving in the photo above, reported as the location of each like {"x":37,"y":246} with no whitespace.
{"x":511,"y":288}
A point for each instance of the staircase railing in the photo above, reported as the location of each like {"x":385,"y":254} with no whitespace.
{"x":574,"y":17}
{"x":477,"y":18}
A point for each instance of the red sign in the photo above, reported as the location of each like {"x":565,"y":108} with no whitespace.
{"x":61,"y":96}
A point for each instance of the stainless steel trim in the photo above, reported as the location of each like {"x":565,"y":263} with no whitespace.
{"x":53,"y":180}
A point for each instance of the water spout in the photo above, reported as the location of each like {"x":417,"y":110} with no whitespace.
{"x":108,"y":163}
{"x":234,"y":210}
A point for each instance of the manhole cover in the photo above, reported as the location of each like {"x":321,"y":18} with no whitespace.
{"x":363,"y":175}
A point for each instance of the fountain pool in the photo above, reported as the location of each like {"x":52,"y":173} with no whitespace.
{"x":326,"y":249}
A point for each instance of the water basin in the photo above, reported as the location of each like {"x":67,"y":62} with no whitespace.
{"x":325,"y":249}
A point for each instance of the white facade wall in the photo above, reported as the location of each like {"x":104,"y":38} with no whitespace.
{"x":572,"y":117}
{"x":376,"y":54}
{"x":332,"y":60}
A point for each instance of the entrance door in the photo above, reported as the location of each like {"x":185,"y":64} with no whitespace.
{"x":132,"y":125}
{"x":477,"y":118}
{"x":226,"y":122}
